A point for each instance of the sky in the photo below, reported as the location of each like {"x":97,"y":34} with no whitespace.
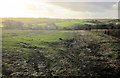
{"x":65,"y":9}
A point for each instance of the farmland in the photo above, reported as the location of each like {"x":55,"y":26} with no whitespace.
{"x":55,"y":51}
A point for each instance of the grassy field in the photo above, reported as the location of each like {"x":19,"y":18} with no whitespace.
{"x":1,"y":25}
{"x":26,"y":19}
{"x":72,"y":23}
{"x":41,"y":23}
{"x":36,"y":53}
{"x":33,"y":38}
{"x":57,"y":24}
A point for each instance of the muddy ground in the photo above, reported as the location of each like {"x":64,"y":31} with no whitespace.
{"x":88,"y":54}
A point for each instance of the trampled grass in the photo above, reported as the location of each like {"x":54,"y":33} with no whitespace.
{"x":32,"y":37}
{"x":59,"y":53}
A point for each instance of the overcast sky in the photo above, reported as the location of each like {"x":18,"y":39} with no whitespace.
{"x":69,"y":9}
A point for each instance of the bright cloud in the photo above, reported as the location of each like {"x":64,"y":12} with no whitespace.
{"x":40,"y":8}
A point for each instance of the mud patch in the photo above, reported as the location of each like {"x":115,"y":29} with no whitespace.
{"x":26,"y":45}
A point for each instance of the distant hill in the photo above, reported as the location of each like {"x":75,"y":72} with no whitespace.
{"x":48,"y":23}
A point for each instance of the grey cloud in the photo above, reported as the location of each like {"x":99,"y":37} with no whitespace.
{"x":86,"y":6}
{"x":80,"y":0}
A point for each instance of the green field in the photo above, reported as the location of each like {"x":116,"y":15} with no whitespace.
{"x":58,"y":24}
{"x":72,"y":23}
{"x":36,"y":53}
{"x":26,"y":19}
{"x":33,"y":38}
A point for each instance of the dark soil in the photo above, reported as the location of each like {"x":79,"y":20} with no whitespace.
{"x":82,"y":56}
